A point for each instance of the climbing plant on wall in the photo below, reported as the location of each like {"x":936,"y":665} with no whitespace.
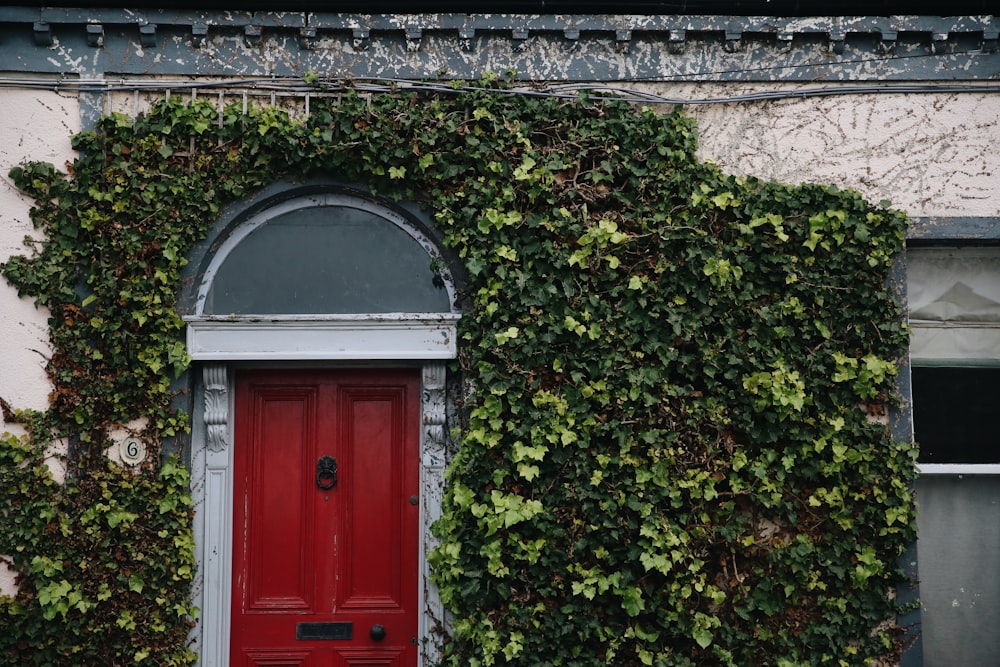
{"x":675,"y":452}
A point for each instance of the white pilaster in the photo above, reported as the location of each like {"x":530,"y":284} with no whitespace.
{"x":215,"y":460}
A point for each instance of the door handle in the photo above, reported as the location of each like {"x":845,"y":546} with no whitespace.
{"x":377,"y":633}
{"x":326,"y":472}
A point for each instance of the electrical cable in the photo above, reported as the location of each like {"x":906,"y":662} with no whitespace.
{"x":297,"y":87}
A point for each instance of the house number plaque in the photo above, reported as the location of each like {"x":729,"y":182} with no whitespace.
{"x":132,"y":451}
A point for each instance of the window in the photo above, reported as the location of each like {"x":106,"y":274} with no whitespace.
{"x":954,"y":296}
{"x":328,"y":254}
{"x":955,"y":413}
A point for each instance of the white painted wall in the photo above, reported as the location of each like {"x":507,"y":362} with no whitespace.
{"x":34,"y":125}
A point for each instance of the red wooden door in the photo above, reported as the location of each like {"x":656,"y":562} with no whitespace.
{"x":315,"y":570}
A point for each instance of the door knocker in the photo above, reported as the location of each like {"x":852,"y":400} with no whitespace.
{"x":326,"y":473}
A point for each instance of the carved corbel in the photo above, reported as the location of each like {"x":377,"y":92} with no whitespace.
{"x":434,"y":418}
{"x":216,"y":407}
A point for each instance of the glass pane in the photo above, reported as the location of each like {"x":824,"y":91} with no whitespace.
{"x":959,"y":528}
{"x":953,"y":284}
{"x":954,"y":300}
{"x":954,"y":410}
{"x":326,"y":260}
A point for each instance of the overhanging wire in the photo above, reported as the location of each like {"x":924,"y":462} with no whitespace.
{"x":296,"y":87}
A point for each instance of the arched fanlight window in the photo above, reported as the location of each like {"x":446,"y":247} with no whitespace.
{"x":328,"y":253}
{"x":333,"y":274}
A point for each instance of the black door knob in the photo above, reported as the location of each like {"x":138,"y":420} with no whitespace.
{"x":377,"y":632}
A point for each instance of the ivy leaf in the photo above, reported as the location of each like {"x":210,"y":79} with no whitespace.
{"x":632,"y":601}
{"x":702,"y":636}
{"x":528,"y":471}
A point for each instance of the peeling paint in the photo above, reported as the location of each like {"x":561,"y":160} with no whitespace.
{"x":563,"y":47}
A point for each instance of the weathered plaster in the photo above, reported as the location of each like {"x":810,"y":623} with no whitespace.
{"x":928,"y":154}
{"x":35,"y":125}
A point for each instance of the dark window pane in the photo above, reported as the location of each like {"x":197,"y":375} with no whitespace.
{"x":327,"y":259}
{"x":955,"y":410}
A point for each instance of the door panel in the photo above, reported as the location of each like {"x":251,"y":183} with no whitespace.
{"x":275,"y":658}
{"x":360,"y":659}
{"x":276,"y":579}
{"x":346,"y":555}
{"x":375,"y":512}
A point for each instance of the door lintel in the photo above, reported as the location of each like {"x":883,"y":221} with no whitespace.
{"x":385,"y":336}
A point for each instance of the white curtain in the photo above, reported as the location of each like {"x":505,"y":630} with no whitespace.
{"x":954,"y":302}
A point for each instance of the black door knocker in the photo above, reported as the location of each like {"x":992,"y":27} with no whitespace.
{"x":326,"y":473}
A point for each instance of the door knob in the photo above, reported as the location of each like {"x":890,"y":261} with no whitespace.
{"x":377,"y":632}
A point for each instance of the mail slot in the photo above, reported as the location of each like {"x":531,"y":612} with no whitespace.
{"x":324,"y":631}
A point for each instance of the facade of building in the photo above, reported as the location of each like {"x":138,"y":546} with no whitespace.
{"x":904,"y":108}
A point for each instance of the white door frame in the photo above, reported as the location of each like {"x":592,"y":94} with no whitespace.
{"x":212,"y":438}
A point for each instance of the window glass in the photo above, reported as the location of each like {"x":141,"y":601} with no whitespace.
{"x":958,"y":553}
{"x":954,"y":299}
{"x":954,"y":414}
{"x":327,"y":260}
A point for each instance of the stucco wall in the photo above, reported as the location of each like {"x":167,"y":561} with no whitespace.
{"x":33,"y":126}
{"x":929,"y":154}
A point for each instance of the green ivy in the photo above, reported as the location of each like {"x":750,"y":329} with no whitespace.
{"x":104,"y":560}
{"x":674,"y":453}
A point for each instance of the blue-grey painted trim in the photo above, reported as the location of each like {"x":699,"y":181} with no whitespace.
{"x":500,"y":21}
{"x":91,"y":109}
{"x":901,"y":416}
{"x":901,"y":430}
{"x":657,"y":7}
{"x":959,"y":228}
{"x":98,"y":42}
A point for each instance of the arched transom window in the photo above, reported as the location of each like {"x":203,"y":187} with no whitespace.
{"x":344,"y":274}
